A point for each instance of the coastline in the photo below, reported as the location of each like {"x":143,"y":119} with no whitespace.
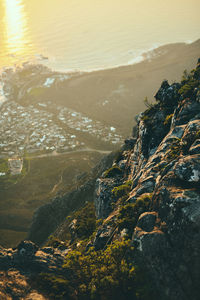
{"x":103,"y":94}
{"x":142,"y":55}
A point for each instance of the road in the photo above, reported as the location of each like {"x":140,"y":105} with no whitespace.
{"x":54,"y":153}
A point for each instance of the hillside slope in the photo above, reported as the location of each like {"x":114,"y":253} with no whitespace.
{"x":145,"y":242}
{"x":75,"y":112}
{"x":115,"y":96}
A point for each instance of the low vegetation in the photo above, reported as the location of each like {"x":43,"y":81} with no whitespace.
{"x":175,"y":150}
{"x":104,"y":274}
{"x":122,"y":190}
{"x":190,"y":81}
{"x":99,"y":275}
{"x":180,"y":146}
{"x":112,"y":172}
{"x":85,"y":221}
{"x":129,"y":213}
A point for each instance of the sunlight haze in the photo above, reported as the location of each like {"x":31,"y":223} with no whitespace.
{"x":92,"y":34}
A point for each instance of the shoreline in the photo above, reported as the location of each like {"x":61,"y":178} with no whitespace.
{"x":139,"y":58}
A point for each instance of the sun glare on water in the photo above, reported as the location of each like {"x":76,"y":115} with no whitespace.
{"x":15,"y":18}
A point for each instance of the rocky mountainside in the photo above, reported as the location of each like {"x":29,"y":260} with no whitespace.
{"x":145,"y":243}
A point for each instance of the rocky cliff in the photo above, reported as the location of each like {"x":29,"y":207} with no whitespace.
{"x":149,"y":197}
{"x":164,"y":167}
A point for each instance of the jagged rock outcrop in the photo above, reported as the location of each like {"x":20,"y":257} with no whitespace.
{"x":165,"y":161}
{"x":150,"y":194}
{"x":104,"y":196}
{"x":19,"y":267}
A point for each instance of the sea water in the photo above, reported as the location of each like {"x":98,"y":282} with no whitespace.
{"x":92,"y":34}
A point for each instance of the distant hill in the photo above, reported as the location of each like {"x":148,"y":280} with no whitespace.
{"x":116,"y":95}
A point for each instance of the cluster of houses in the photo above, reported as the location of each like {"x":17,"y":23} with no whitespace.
{"x":28,"y":129}
{"x":32,"y":129}
{"x":79,"y":122}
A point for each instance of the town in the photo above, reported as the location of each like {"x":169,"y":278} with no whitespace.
{"x":42,"y":127}
{"x":32,"y":130}
{"x":27,"y":129}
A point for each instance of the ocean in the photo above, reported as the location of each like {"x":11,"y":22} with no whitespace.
{"x":85,"y":35}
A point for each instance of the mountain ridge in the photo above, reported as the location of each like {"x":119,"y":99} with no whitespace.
{"x":145,"y":241}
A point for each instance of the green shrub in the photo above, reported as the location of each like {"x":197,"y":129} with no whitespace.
{"x":174,"y":150}
{"x":112,"y":172}
{"x":56,"y":287}
{"x":186,"y":76}
{"x":129,"y":213}
{"x":127,"y":217}
{"x":98,"y":275}
{"x":122,"y":190}
{"x":86,"y":221}
{"x":188,"y":88}
{"x":189,"y":82}
{"x":106,"y":274}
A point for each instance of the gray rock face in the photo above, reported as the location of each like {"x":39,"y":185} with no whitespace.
{"x":147,"y":221}
{"x":155,"y":252}
{"x":188,"y":168}
{"x":18,"y":266}
{"x":162,"y":167}
{"x":167,"y":241}
{"x":15,"y":285}
{"x":195,"y":148}
{"x":104,"y":196}
{"x":29,"y":258}
{"x":27,"y":249}
{"x":129,"y":143}
{"x":168,"y":93}
{"x":102,"y":237}
{"x":166,"y":163}
{"x":186,"y":110}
